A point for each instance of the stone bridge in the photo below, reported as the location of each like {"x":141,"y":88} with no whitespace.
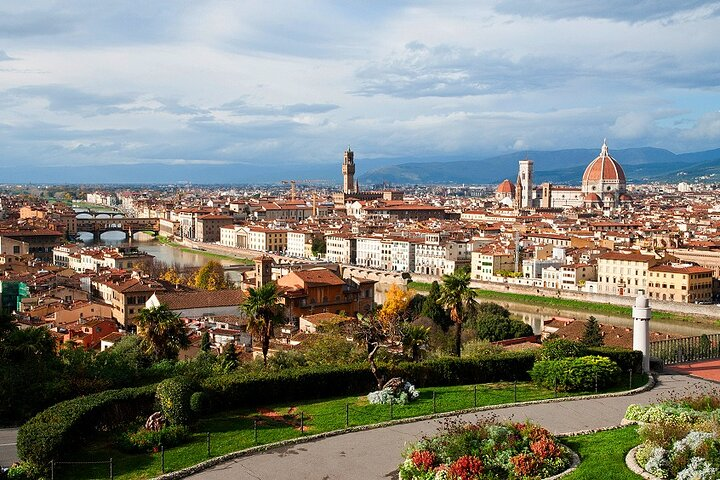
{"x":97,"y":226}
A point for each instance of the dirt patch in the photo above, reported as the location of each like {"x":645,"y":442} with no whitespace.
{"x":291,"y":419}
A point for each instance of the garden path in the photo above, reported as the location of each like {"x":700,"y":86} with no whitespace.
{"x":375,"y":453}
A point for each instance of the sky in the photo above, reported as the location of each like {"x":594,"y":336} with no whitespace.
{"x":274,"y":83}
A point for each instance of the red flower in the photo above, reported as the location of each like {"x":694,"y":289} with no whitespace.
{"x":423,"y":459}
{"x":525,"y":464}
{"x":546,"y":448}
{"x":466,"y":468}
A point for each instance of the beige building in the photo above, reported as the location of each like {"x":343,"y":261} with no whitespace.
{"x":207,"y":227}
{"x":485,"y":264}
{"x":680,"y":282}
{"x":623,"y":273}
{"x":266,"y":239}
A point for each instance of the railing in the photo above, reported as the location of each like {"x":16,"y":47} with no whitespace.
{"x":688,"y":349}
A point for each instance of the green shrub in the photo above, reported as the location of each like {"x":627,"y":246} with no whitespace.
{"x":143,"y":440}
{"x":48,"y":434}
{"x":625,"y":359}
{"x":560,"y":348}
{"x":199,"y":402}
{"x":575,"y":374}
{"x":173,"y":395}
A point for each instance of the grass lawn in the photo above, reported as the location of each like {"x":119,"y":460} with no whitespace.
{"x":217,"y":256}
{"x":562,"y":303}
{"x":234,"y":430}
{"x":602,"y":454}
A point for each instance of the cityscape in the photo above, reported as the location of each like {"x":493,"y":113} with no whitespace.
{"x":392,"y":253}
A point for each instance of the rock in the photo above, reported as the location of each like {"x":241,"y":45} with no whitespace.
{"x":395,"y":384}
{"x":155,"y":422}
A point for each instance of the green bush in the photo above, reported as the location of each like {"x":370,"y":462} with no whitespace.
{"x":199,"y":402}
{"x":173,"y":395}
{"x":49,"y":433}
{"x":143,"y":440}
{"x":560,"y":348}
{"x":625,"y":359}
{"x":575,"y":374}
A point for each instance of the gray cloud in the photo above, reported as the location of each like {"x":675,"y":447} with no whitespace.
{"x":242,"y":108}
{"x":620,"y":10}
{"x":61,"y":98}
{"x":34,"y":24}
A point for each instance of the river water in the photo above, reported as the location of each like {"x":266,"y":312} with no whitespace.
{"x":530,"y":314}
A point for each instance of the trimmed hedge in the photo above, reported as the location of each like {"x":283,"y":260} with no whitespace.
{"x":173,"y":394}
{"x":626,"y":359}
{"x":47,"y":435}
{"x":575,"y":374}
{"x":243,"y":390}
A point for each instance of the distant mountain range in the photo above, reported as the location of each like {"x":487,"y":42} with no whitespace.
{"x":558,"y":166}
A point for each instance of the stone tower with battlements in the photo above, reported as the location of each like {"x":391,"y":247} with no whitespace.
{"x":348,"y":170}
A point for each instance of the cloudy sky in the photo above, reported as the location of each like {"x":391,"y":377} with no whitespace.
{"x":244,"y":82}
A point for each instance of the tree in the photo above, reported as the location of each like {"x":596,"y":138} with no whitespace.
{"x":261,"y":306}
{"x":211,"y":276}
{"x":459,"y":299}
{"x":6,"y":324}
{"x":318,"y":246}
{"x":171,"y":275}
{"x":205,"y":342}
{"x":373,"y":332}
{"x":396,"y":304}
{"x":230,"y":358}
{"x":162,"y":331}
{"x":414,"y":337}
{"x":433,"y":310}
{"x":592,"y":337}
{"x":494,"y":328}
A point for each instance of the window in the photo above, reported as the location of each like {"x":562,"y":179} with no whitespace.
{"x":16,"y":249}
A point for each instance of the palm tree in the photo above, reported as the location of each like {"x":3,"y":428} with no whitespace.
{"x":262,"y":309}
{"x":163,"y":332}
{"x":414,"y":337}
{"x":459,"y":299}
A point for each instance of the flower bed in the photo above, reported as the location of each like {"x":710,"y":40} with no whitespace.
{"x":465,"y":451}
{"x":681,"y":437}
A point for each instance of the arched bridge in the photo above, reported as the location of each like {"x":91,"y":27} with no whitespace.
{"x":98,"y":226}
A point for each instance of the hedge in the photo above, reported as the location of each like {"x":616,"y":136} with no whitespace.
{"x":626,"y":359}
{"x":173,"y":395}
{"x":243,"y":390}
{"x":49,"y":433}
{"x":575,"y":374}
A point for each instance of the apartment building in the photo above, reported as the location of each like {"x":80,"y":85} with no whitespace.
{"x":341,"y":248}
{"x":486,"y":263}
{"x":266,"y":239}
{"x":680,"y":282}
{"x":622,"y":273}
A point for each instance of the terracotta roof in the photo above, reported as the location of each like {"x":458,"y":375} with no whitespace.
{"x":201,"y":299}
{"x":506,"y":186}
{"x":627,"y":257}
{"x":604,"y":168}
{"x":319,"y":276}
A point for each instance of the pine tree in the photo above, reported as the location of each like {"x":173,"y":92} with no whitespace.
{"x":230,"y":357}
{"x":205,"y":342}
{"x":592,"y":337}
{"x":433,"y":310}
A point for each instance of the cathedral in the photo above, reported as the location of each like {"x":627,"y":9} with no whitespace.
{"x":603,"y":187}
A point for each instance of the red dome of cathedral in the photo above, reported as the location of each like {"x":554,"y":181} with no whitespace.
{"x":604,"y":169}
{"x":506,"y":186}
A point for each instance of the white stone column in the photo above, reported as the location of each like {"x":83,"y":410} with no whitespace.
{"x":641,"y":313}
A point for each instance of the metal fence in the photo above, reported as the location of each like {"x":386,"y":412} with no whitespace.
{"x":99,"y":469}
{"x":688,"y":349}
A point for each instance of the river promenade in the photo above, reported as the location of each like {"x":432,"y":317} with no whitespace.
{"x":376,"y":453}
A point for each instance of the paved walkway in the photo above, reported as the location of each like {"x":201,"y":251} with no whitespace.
{"x":8,"y":449}
{"x":376,"y":453}
{"x":708,"y":369}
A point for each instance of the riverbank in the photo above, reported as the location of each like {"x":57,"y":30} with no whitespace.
{"x":579,"y":306}
{"x":212,"y":255}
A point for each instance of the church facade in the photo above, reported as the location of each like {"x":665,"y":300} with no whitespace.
{"x":603,"y":186}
